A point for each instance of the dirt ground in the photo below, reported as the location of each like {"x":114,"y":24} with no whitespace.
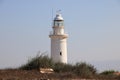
{"x":29,"y":75}
{"x":12,"y":74}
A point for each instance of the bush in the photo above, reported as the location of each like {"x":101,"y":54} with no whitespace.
{"x":61,"y":67}
{"x":80,"y":69}
{"x":84,"y":70}
{"x":108,"y":72}
{"x":42,"y":61}
{"x":37,"y":62}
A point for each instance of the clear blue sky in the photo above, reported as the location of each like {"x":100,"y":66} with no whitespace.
{"x":93,"y":27}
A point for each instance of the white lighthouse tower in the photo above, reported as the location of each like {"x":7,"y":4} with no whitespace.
{"x":58,"y":40}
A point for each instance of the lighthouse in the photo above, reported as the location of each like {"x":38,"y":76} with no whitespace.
{"x":58,"y":40}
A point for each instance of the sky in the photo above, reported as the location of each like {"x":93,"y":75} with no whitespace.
{"x":93,"y":27}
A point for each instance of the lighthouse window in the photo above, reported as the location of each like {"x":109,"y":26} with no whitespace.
{"x":58,"y":23}
{"x":61,"y":53}
{"x":61,"y":23}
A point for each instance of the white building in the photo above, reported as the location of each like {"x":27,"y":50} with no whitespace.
{"x":58,"y":40}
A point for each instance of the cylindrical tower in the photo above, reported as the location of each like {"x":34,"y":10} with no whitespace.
{"x":58,"y":40}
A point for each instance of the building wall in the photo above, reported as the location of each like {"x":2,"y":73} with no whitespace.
{"x":59,"y":50}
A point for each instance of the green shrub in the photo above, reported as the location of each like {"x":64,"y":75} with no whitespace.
{"x":42,"y":61}
{"x":108,"y":72}
{"x":84,"y":70}
{"x":37,"y":62}
{"x":61,"y":67}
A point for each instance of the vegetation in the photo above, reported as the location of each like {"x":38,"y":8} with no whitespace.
{"x":108,"y":72}
{"x":84,"y":70}
{"x":37,"y":62}
{"x":81,"y":69}
{"x":43,"y":61}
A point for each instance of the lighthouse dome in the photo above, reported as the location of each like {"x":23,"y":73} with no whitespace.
{"x":58,"y":17}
